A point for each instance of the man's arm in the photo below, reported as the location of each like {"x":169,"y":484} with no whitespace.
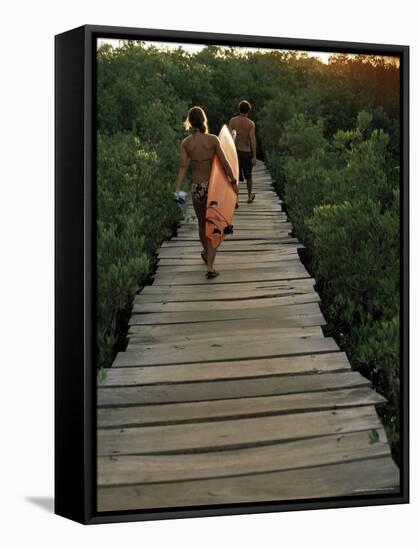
{"x":183,"y":166}
{"x":253,"y":142}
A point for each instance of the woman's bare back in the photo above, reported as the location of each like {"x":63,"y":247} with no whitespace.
{"x":201,"y":149}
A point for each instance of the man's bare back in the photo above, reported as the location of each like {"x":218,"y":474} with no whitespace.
{"x":245,"y":129}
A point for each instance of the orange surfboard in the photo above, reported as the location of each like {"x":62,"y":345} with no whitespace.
{"x":222,"y":198}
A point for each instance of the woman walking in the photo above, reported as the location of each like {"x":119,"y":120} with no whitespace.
{"x":200,"y":147}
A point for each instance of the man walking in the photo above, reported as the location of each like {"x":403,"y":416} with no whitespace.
{"x":245,"y":140}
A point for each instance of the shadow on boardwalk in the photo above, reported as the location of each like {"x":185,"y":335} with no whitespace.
{"x":229,"y":392}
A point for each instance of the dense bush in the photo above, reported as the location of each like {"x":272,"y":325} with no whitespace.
{"x":343,"y":199}
{"x":135,"y":212}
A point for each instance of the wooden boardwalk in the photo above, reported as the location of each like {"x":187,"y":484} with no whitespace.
{"x":228,"y":391}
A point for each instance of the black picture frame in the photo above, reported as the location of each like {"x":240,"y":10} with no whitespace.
{"x":75,"y":373}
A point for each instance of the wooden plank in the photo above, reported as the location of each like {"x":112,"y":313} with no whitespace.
{"x":344,"y":479}
{"x":227,"y":409}
{"x":318,"y":451}
{"x":247,"y":244}
{"x":292,"y":270}
{"x":231,"y":287}
{"x":214,"y":328}
{"x":245,"y":327}
{"x":237,"y":256}
{"x":231,"y":241}
{"x":264,"y":205}
{"x":231,"y":434}
{"x":226,"y":389}
{"x":222,"y":349}
{"x":247,"y":224}
{"x":245,"y":236}
{"x":280,"y":242}
{"x":240,"y":260}
{"x":280,"y":224}
{"x":244,"y":303}
{"x":299,"y":364}
{"x":211,"y":303}
{"x":242,"y":214}
{"x":251,"y":244}
{"x":272,"y":205}
{"x":261,"y":182}
{"x":279,"y":248}
{"x":194,"y":249}
{"x":246,"y":210}
{"x":243,"y":224}
{"x":198,"y":266}
{"x":272,"y":230}
{"x":265,"y":199}
{"x":285,"y":312}
{"x":261,"y":186}
{"x":227,"y":290}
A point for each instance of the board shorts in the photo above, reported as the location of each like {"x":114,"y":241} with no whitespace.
{"x":245,"y":165}
{"x":200,"y":191}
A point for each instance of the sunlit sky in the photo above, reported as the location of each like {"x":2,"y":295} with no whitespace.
{"x":194,"y":48}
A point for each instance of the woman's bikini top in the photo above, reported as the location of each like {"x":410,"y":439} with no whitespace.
{"x":194,"y":131}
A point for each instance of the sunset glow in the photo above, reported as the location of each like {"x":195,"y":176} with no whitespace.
{"x":195,"y":48}
{"x":324,"y":57}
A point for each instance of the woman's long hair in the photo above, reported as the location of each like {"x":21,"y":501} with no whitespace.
{"x":196,"y":119}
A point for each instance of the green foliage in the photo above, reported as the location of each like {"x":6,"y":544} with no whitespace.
{"x":135,"y":212}
{"x":343,"y":200}
{"x":374,"y":436}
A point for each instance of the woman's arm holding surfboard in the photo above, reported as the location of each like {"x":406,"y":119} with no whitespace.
{"x":225,"y":164}
{"x":183,"y":166}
